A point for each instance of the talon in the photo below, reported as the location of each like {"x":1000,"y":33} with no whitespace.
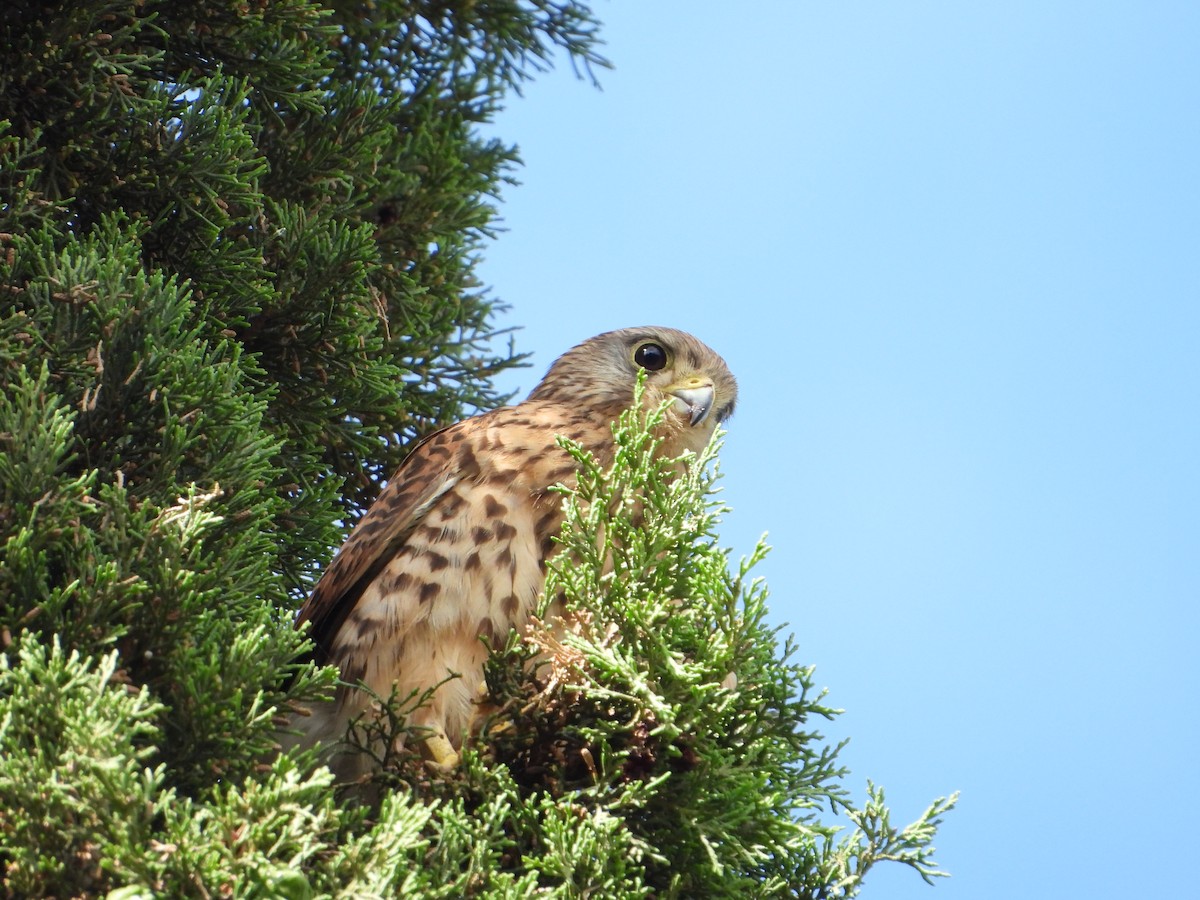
{"x":499,"y":728}
{"x":442,"y":755}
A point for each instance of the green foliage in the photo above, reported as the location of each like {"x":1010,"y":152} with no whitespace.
{"x":107,"y":540}
{"x":654,"y":742}
{"x":664,"y":701}
{"x":237,"y":252}
{"x":74,"y":784}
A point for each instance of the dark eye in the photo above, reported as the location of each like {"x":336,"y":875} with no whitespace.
{"x":650,"y":357}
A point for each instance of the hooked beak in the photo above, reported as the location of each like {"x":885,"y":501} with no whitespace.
{"x":697,"y":401}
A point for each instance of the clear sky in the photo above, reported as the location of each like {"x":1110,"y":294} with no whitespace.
{"x":952,"y":252}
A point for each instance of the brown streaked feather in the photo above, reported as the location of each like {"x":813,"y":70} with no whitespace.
{"x":410,"y":494}
{"x":453,"y":552}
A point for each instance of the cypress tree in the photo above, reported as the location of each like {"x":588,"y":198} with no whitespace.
{"x":237,"y":251}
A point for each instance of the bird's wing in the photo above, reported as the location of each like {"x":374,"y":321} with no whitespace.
{"x":426,"y":474}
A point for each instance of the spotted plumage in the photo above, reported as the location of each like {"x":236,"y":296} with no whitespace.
{"x":455,"y":547}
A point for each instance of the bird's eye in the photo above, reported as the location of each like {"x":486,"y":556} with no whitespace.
{"x":650,"y":357}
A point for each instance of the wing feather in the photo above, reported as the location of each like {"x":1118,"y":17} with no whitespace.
{"x":426,"y":474}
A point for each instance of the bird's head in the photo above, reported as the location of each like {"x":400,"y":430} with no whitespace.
{"x":600,"y":375}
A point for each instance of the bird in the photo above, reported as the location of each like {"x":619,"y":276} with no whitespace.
{"x":453,"y":553}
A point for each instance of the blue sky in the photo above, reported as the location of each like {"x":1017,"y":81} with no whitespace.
{"x":952,"y":253}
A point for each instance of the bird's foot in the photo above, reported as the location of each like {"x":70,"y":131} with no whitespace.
{"x":442,"y":756}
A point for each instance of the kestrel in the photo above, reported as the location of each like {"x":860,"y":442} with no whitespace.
{"x":453,"y":552}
